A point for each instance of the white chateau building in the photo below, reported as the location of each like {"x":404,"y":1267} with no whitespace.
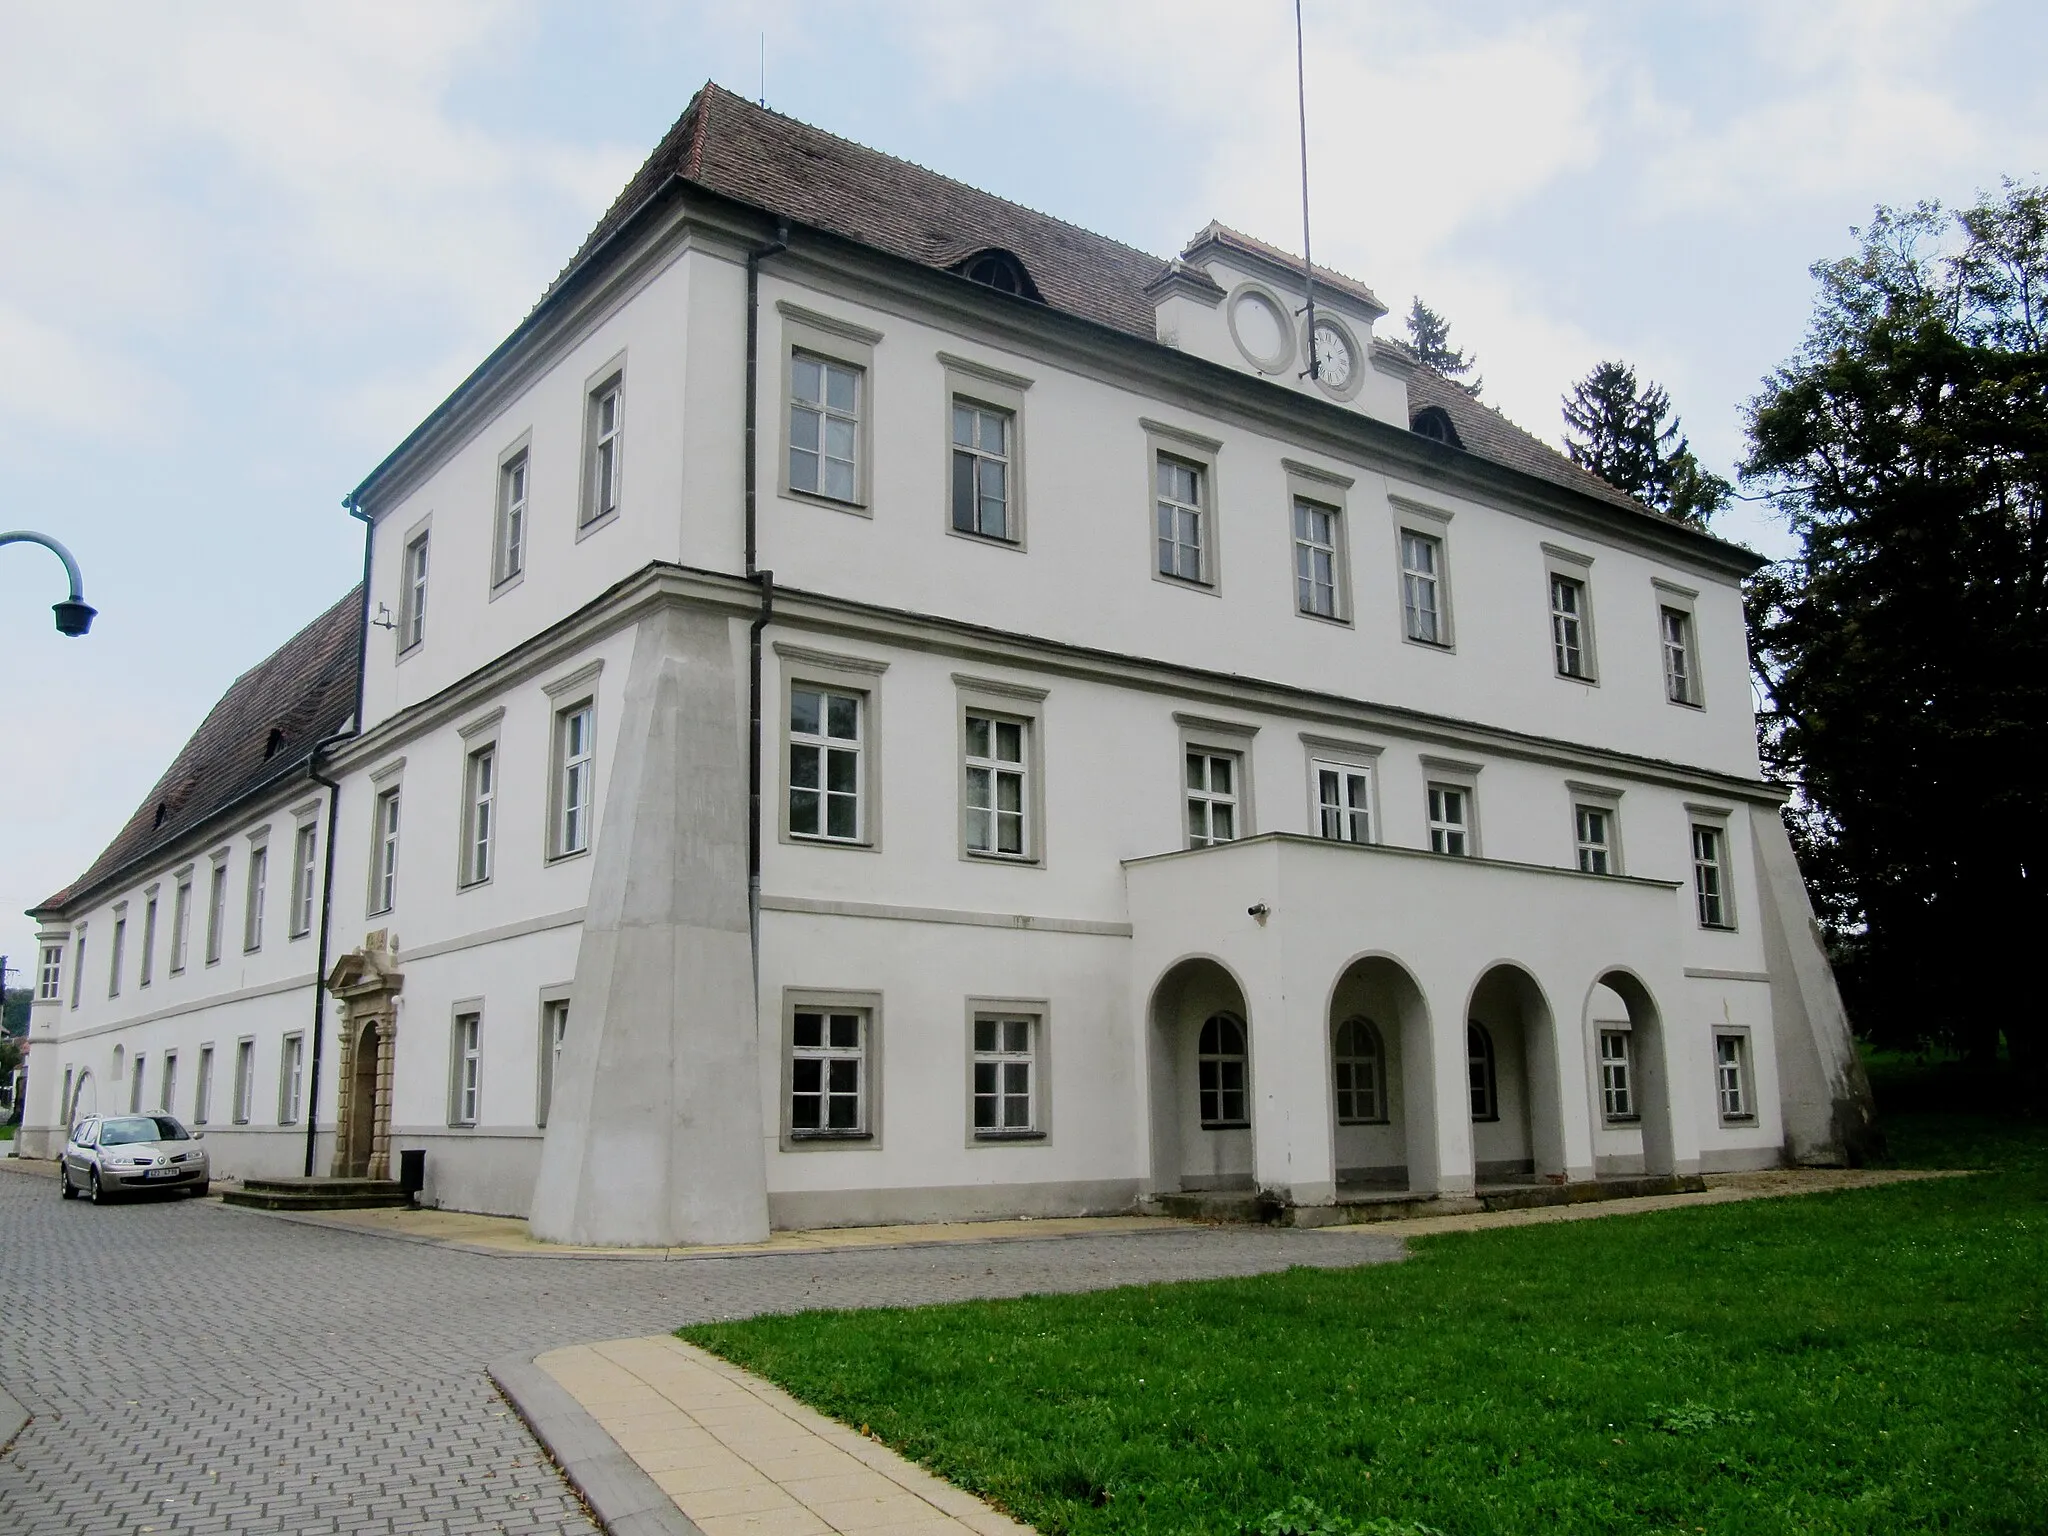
{"x":876,"y":704}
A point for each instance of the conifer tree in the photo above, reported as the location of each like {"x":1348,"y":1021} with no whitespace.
{"x":1617,"y":429}
{"x":1429,"y":334}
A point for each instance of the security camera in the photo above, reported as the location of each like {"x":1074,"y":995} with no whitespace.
{"x":1259,"y":912}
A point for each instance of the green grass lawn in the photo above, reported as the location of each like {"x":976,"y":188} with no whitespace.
{"x":1874,"y":1361}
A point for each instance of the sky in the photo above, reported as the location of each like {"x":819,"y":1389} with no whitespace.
{"x":245,"y":247}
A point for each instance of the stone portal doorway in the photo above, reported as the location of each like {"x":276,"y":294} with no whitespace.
{"x":366,"y":982}
{"x":364,"y":1105}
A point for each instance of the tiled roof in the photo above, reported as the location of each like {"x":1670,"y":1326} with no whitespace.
{"x":305,"y":691}
{"x":1237,"y":239}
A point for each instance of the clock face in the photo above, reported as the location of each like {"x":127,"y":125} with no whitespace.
{"x":1333,"y":356}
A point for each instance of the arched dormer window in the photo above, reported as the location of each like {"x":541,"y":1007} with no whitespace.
{"x":1001,"y":270}
{"x":1434,"y":423}
{"x":1360,"y":1073}
{"x":1220,"y":1069}
{"x":163,"y":811}
{"x":1479,"y":1069}
{"x":271,"y":746}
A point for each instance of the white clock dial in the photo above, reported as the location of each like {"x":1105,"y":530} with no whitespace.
{"x":1333,"y":356}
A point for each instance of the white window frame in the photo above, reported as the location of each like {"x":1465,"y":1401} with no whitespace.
{"x":78,"y":965}
{"x":305,"y":876}
{"x":255,"y":893}
{"x":50,"y":974}
{"x":857,"y":677}
{"x":1199,"y":454}
{"x":414,"y":573}
{"x":1573,"y":630}
{"x":167,"y":1082}
{"x":466,"y":1064}
{"x":138,"y":1069}
{"x":291,"y":1066}
{"x":1680,"y":603}
{"x":387,"y":807}
{"x":1314,"y":492}
{"x":1344,"y":1073}
{"x":555,"y":1022}
{"x":181,"y":920}
{"x":1714,"y":909}
{"x":837,"y":343}
{"x":1348,"y":761}
{"x":1441,"y":777}
{"x":1616,"y":1051}
{"x":202,"y":1087}
{"x":977,"y":387}
{"x":1212,"y":739}
{"x":572,"y":793}
{"x":1734,"y":1084}
{"x":147,"y":975}
{"x":245,"y":1079}
{"x":1415,"y":521}
{"x":1482,"y":1073}
{"x":867,"y":1007}
{"x":217,"y":907}
{"x":1001,"y":703}
{"x":602,"y":474}
{"x":479,"y":813}
{"x":1002,"y":1057}
{"x":1213,"y":1090}
{"x":120,"y":944}
{"x":512,"y":525}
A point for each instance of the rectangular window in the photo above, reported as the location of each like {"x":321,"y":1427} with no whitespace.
{"x":981,"y":470}
{"x":1343,"y":801}
{"x":384,"y":853}
{"x":1222,"y":1070}
{"x":575,"y":777}
{"x":1182,"y":523}
{"x":216,"y":911}
{"x":1422,"y":564}
{"x":181,"y":924}
{"x":1731,"y":1076}
{"x":1708,"y":886}
{"x":1450,"y":819}
{"x":202,"y":1092}
{"x":114,"y":959}
{"x":825,"y":749}
{"x":252,"y":916}
{"x":554,"y":1032}
{"x":1005,"y":1075}
{"x":1315,"y":559}
{"x":137,"y":1068}
{"x":468,"y":1064}
{"x":1568,"y":626}
{"x":824,"y":427}
{"x":996,"y":788}
{"x":1212,"y":779}
{"x":245,"y":1079}
{"x":78,"y":967}
{"x":1593,"y":833}
{"x":828,"y":1073}
{"x":1680,"y":683}
{"x":164,"y":1099}
{"x":509,"y":556}
{"x":50,"y":979}
{"x":290,"y":1060}
{"x":480,"y":809}
{"x":412,"y":624}
{"x":1617,"y":1088}
{"x":305,"y":877}
{"x":148,"y":942}
{"x":602,"y":432}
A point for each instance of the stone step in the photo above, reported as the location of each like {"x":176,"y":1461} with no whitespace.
{"x":1403,"y":1205}
{"x":300,"y":1194}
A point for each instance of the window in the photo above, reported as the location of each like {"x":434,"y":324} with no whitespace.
{"x":1731,"y":1076}
{"x":252,"y":916}
{"x":1343,"y":801}
{"x":135,"y":1085}
{"x":825,"y":767}
{"x":554,"y":1032}
{"x":290,"y":1060}
{"x":1220,"y":1070}
{"x":114,"y":959}
{"x":982,"y":438}
{"x":181,"y":923}
{"x":1681,"y":685}
{"x":1450,"y":820}
{"x":996,"y":790}
{"x":1708,"y":885}
{"x":412,"y":624}
{"x":1568,"y":626}
{"x":1005,"y":1075}
{"x":1315,"y":559}
{"x":170,"y":1083}
{"x":509,"y":554}
{"x":1617,"y":1085}
{"x":1361,"y":1074}
{"x":824,"y":427}
{"x":1212,"y":797}
{"x":202,"y":1093}
{"x":384,"y":852}
{"x":78,"y":967}
{"x":828,"y":1072}
{"x":1422,"y":582}
{"x":480,"y":793}
{"x":216,"y":910}
{"x":305,"y":875}
{"x":601,"y":435}
{"x":245,"y":1079}
{"x":148,"y":940}
{"x":50,"y":979}
{"x":462,"y":1098}
{"x":1592,"y":831}
{"x":1183,"y":531}
{"x":1479,"y":1073}
{"x":575,"y":776}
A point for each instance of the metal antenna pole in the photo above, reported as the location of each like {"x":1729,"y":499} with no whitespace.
{"x":1308,"y":268}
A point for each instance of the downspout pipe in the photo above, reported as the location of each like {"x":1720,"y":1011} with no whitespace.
{"x":750,"y":472}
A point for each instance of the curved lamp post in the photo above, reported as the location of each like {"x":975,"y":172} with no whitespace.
{"x":74,"y":614}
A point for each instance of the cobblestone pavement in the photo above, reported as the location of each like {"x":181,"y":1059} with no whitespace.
{"x":193,"y":1368}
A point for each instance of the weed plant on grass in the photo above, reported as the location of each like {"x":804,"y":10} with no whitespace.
{"x":1867,"y":1362}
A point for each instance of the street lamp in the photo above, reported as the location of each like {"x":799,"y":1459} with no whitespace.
{"x":74,"y":614}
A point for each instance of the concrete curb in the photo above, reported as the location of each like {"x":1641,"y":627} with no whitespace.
{"x":624,"y":1499}
{"x":13,"y":1419}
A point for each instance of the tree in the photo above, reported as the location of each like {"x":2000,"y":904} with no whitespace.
{"x":1903,"y":651}
{"x":1429,"y":335}
{"x":1617,"y":429}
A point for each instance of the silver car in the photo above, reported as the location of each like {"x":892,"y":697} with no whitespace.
{"x":112,"y":1154}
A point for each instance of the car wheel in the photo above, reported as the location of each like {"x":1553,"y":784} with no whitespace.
{"x":99,"y":1195}
{"x":199,"y":1190}
{"x":65,"y":1188}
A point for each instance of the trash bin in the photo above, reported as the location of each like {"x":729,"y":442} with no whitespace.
{"x":412,"y":1171}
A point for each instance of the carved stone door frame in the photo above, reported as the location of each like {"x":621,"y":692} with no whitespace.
{"x":366,"y":982}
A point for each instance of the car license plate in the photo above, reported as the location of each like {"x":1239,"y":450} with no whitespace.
{"x":161,"y":1173}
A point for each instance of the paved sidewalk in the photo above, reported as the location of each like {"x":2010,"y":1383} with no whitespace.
{"x":740,"y":1457}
